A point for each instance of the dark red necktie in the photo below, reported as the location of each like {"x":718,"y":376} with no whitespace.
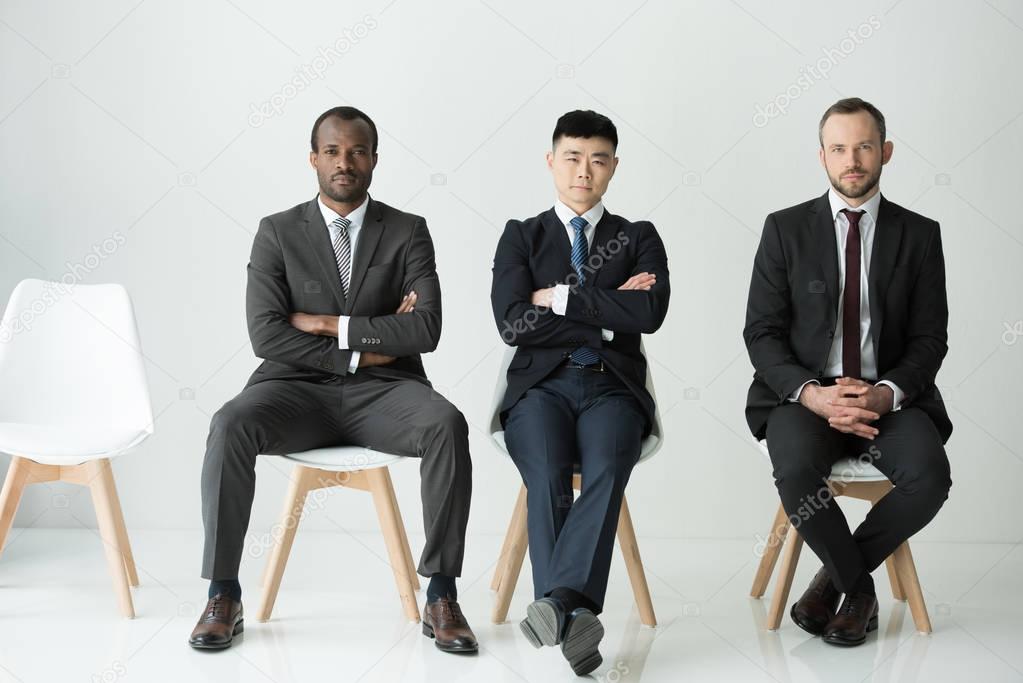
{"x":851,"y":298}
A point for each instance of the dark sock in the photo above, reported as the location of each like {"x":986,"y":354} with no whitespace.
{"x":229,"y":587}
{"x":572,"y":599}
{"x":441,"y":587}
{"x":864,"y":584}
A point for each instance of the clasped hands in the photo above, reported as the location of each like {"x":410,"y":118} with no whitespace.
{"x":326,"y":325}
{"x":643,"y":281}
{"x":850,"y":405}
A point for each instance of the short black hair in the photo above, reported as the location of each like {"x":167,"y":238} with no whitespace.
{"x":585,"y":124}
{"x":345,"y":114}
{"x":851,"y":105}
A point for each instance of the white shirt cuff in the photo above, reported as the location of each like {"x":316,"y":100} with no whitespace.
{"x":794,"y":398}
{"x":606,"y":335}
{"x":353,"y":365}
{"x":897,"y":394}
{"x":560,"y":299}
{"x":342,"y":332}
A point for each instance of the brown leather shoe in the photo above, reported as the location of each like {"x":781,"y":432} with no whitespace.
{"x":220,"y":622}
{"x":817,"y":607}
{"x":855,"y":619}
{"x":443,"y":620}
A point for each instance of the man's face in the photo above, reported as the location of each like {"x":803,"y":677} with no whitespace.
{"x":345,"y":161}
{"x":852,"y":153}
{"x":582,"y":169}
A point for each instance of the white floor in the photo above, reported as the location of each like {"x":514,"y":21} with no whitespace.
{"x":338,"y":618}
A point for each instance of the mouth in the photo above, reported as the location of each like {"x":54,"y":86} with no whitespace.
{"x":854,"y":176}
{"x":581,"y":187}
{"x":343,"y":179}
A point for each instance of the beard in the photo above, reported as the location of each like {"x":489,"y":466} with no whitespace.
{"x":346,"y":194}
{"x":856,"y":191}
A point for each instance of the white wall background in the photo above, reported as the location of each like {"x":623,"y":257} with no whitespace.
{"x":137,"y":117}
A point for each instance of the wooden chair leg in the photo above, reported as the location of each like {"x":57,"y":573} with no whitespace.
{"x":10,"y":496}
{"x":785,"y":575}
{"x":410,"y":562}
{"x":511,"y":565}
{"x":893,"y":578}
{"x":104,"y":498}
{"x":122,"y":538}
{"x":772,"y":549}
{"x":302,"y":479}
{"x":379,"y":480}
{"x":634,"y":564}
{"x":513,"y":524}
{"x":910,"y":583}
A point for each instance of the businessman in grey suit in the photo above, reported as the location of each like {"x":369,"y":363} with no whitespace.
{"x":342,"y":299}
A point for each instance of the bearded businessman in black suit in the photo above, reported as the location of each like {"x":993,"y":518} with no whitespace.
{"x":846,"y":326}
{"x":574,"y":289}
{"x":342,"y":299}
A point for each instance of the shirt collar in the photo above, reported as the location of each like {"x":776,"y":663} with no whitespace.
{"x":565,"y":214}
{"x":871,"y":206}
{"x":356,"y":216}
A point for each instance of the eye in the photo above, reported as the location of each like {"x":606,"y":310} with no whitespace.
{"x":598,"y":162}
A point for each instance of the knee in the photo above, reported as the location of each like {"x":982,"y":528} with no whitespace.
{"x":930,"y":486}
{"x":232,"y":425}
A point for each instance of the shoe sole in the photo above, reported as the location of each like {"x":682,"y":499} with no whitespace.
{"x":429,"y":633}
{"x":238,"y":628}
{"x":844,"y":642}
{"x":580,"y":644}
{"x":540,"y":625}
{"x":797,"y":622}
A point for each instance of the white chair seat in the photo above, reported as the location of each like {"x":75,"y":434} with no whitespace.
{"x":344,"y":458}
{"x":67,"y":444}
{"x":845,"y":470}
{"x":651,"y":444}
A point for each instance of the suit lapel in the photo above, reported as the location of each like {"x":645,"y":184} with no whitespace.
{"x":557,"y":235}
{"x":319,"y":241}
{"x":369,"y":237}
{"x":887,"y":237}
{"x":822,"y":227}
{"x":602,"y":234}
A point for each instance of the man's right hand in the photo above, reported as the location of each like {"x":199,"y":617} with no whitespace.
{"x":817,"y":399}
{"x":368,"y":358}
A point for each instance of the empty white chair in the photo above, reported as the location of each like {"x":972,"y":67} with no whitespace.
{"x":513,"y":551}
{"x":856,"y":478}
{"x":356,"y":468}
{"x":73,"y":394}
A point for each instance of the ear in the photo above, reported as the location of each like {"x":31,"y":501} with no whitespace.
{"x":886,"y":151}
{"x":376,"y":158}
{"x":312,"y":159}
{"x":550,"y":160}
{"x":820,"y":154}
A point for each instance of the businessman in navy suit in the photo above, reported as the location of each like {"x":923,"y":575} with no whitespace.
{"x":573,"y":290}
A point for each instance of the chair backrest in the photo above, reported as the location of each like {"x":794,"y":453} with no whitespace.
{"x":71,"y":355}
{"x":651,"y":444}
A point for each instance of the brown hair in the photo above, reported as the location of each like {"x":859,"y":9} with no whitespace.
{"x":851,"y":105}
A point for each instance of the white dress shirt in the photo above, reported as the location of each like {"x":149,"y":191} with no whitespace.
{"x":355,"y":217}
{"x":565,"y":215}
{"x":868,"y":357}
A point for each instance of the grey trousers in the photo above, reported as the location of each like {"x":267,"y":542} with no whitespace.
{"x":276,"y":417}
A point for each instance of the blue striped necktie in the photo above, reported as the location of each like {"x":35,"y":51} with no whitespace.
{"x":580,"y":250}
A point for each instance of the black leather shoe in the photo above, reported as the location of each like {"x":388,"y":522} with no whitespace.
{"x":855,"y":619}
{"x":544,"y":623}
{"x":582,"y":636}
{"x":220,"y":622}
{"x":817,"y":607}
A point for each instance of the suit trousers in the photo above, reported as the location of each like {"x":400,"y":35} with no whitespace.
{"x":574,"y":420}
{"x":276,"y":417}
{"x":907,"y":450}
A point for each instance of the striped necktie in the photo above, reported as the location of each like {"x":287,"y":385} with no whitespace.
{"x":580,"y":250}
{"x":342,"y":251}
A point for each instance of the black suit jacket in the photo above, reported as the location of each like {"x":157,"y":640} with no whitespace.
{"x":292,"y":269}
{"x":793,"y":306}
{"x":536,"y":253}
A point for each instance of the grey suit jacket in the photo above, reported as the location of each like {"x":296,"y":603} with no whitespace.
{"x":292,"y":269}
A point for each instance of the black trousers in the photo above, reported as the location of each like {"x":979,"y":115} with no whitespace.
{"x":907,"y":450}
{"x":574,"y":419}
{"x":275,"y":417}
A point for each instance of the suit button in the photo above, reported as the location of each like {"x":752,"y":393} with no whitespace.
{"x":820,"y":373}
{"x":364,"y":340}
{"x":328,"y":366}
{"x":831,"y":334}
